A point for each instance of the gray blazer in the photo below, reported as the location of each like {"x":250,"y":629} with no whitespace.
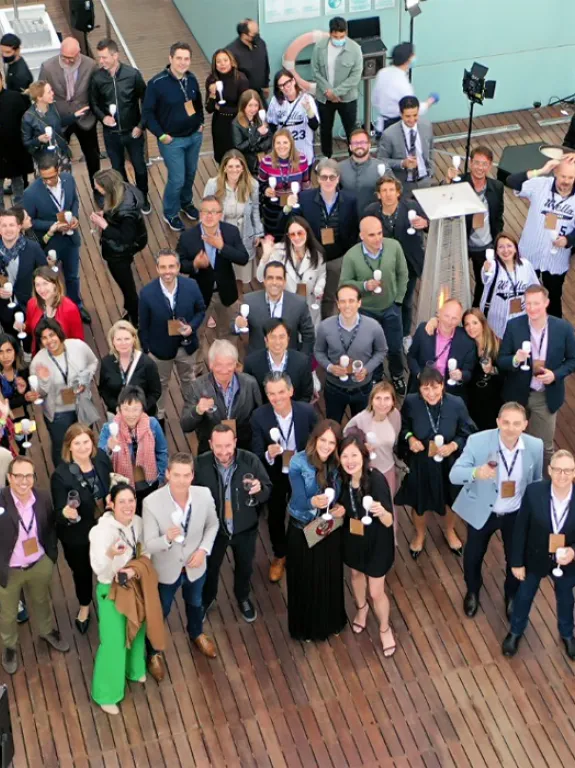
{"x":393,"y":150}
{"x":168,"y":560}
{"x":296,"y":314}
{"x":54,"y":74}
{"x":251,"y":225}
{"x":475,"y":501}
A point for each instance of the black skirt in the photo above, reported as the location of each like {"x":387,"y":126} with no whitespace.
{"x":372,"y":553}
{"x":426,"y":488}
{"x":315,"y":594}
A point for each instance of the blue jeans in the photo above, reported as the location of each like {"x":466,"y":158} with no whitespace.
{"x":69,"y":255}
{"x":522,"y":601}
{"x":181,"y":159}
{"x":407,"y":306}
{"x":390,"y":321}
{"x":57,"y":429}
{"x":192,"y":594}
{"x":337,"y":399}
{"x":117,"y":144}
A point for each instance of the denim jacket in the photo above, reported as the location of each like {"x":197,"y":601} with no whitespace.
{"x":303,"y":479}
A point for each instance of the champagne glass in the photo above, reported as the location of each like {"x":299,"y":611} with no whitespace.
{"x":19,"y":318}
{"x":273,"y":182}
{"x":558,"y":571}
{"x":294,"y":186}
{"x":439,"y":441}
{"x":377,"y":277}
{"x":490,"y":255}
{"x":262,"y":116}
{"x":50,"y":133}
{"x":244,"y":312}
{"x":526,"y":347}
{"x":411,"y":215}
{"x":276,"y":436}
{"x":381,"y":169}
{"x":344,"y":362}
{"x":451,"y":366}
{"x":330,"y":493}
{"x":318,"y":293}
{"x":33,"y":382}
{"x":554,"y":234}
{"x":9,"y":288}
{"x":186,"y":340}
{"x":73,"y":501}
{"x":52,"y":259}
{"x":483,"y":361}
{"x":456,"y":160}
{"x":367,"y":503}
{"x":356,"y":367}
{"x":248,"y":480}
{"x":114,"y":429}
{"x":177,"y":518}
{"x":220,"y":90}
{"x":371,"y":438}
{"x":213,"y":408}
{"x":26,"y":425}
{"x":112,"y":109}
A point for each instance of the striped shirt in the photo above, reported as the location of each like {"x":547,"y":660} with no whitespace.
{"x":292,"y":115}
{"x":508,"y":286}
{"x":536,"y":241}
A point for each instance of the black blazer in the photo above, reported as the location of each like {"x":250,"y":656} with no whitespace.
{"x":495,"y":197}
{"x":413,"y":246}
{"x":145,"y":376}
{"x":530,"y":545}
{"x":560,"y":359}
{"x":311,"y":209}
{"x":67,"y":477}
{"x":422,"y":350}
{"x":297,"y":368}
{"x":233,"y":252}
{"x":10,"y":528}
{"x":263,"y":419}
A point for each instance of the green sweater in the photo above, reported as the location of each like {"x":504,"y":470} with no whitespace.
{"x":357,"y":269}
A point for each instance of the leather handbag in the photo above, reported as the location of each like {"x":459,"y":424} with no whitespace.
{"x":319,"y":529}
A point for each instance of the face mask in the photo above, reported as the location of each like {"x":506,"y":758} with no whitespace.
{"x":255,"y":39}
{"x":8,"y":59}
{"x":338,"y":43}
{"x":412,"y":62}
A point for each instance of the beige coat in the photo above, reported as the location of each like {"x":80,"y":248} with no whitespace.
{"x":53,"y":73}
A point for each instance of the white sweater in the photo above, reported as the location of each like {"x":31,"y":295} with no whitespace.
{"x":104,"y":535}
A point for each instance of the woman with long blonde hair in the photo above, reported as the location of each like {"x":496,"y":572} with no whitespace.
{"x":484,"y":389}
{"x":123,"y":232}
{"x":238,"y":194}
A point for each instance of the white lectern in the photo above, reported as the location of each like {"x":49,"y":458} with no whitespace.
{"x":446,"y":270}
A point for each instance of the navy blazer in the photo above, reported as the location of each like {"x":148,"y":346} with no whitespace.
{"x":263,"y":419}
{"x":43,"y":210}
{"x":155,"y":312}
{"x":233,"y":252}
{"x":311,"y":210}
{"x":297,"y":368}
{"x":422,"y":350}
{"x":413,"y":246}
{"x":560,"y":359}
{"x":30,"y":258}
{"x":530,"y":545}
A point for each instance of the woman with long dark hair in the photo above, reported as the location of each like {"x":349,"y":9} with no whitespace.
{"x":295,"y":110}
{"x":251,"y":135}
{"x":14,"y":385}
{"x":484,"y":397}
{"x":315,"y":574}
{"x":49,"y":300}
{"x":368,"y":548}
{"x":223,"y":104}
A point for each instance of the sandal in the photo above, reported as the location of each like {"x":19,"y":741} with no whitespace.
{"x":388,"y":650}
{"x":356,"y":627}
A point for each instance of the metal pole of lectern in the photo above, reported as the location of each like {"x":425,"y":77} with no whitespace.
{"x":16,"y":16}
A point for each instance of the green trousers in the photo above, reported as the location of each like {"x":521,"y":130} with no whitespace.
{"x":114,"y":662}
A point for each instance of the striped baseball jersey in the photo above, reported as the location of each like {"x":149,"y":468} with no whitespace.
{"x":509,"y":285}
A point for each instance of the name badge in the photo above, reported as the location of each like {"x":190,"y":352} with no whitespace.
{"x":515,"y":306}
{"x":508,"y":489}
{"x":556,"y":541}
{"x":139,"y":474}
{"x":432,"y":450}
{"x":30,"y":546}
{"x":327,"y":236}
{"x":301,"y":290}
{"x":284,"y":198}
{"x":228,"y":511}
{"x":356,"y":527}
{"x":174,"y":328}
{"x":551,"y":220}
{"x":538,"y":366}
{"x":189,"y":107}
{"x":286,"y":458}
{"x":18,"y":413}
{"x":478,"y":220}
{"x":68,"y":396}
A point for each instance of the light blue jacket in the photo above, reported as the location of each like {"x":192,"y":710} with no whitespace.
{"x":304,"y":485}
{"x":475,"y":501}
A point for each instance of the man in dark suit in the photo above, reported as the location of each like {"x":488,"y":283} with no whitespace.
{"x":28,"y":551}
{"x":171,"y":311}
{"x":47,"y":200}
{"x":541,"y":386}
{"x":276,"y":358}
{"x":482,"y":228}
{"x":544,"y":537}
{"x":448,"y":342}
{"x":274,"y":302}
{"x":19,"y":258}
{"x":208,"y":253}
{"x":292,"y":423}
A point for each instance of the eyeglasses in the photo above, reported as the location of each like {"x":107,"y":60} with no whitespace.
{"x":359,"y":144}
{"x":285,"y":83}
{"x":24,"y":478}
{"x":295,"y":235}
{"x":328,"y":177}
{"x":47,"y":179}
{"x":210,"y":213}
{"x":565,"y":472}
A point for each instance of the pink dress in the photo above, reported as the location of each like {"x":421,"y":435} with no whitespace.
{"x":387,"y":432}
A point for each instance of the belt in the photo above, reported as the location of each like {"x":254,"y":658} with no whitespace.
{"x":25,"y":567}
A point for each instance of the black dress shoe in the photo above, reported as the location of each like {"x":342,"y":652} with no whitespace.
{"x":82,"y":626}
{"x":415,"y":553}
{"x":457,"y":551}
{"x":569,"y":643}
{"x":511,"y":644}
{"x":508,"y":606}
{"x":470,"y":604}
{"x":86,"y":316}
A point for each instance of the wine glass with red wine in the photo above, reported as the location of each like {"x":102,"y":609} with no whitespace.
{"x":73,"y":501}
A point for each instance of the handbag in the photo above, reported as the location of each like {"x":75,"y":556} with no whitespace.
{"x":319,"y":528}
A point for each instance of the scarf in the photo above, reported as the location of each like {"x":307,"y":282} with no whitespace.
{"x":70,"y":76}
{"x":145,"y":453}
{"x":9,"y":254}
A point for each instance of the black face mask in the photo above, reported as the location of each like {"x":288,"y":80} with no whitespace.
{"x":8,"y":59}
{"x":255,"y":39}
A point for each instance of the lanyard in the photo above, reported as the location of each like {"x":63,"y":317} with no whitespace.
{"x":175,"y":299}
{"x":445,"y":348}
{"x":353,"y":500}
{"x":63,"y":373}
{"x":32,"y":519}
{"x":184,"y":87}
{"x":290,"y":430}
{"x":370,"y":262}
{"x":132,"y":544}
{"x":509,"y":470}
{"x":59,"y":202}
{"x":559,"y":522}
{"x":388,"y":221}
{"x":298,"y":274}
{"x":275,"y":306}
{"x":541,"y":340}
{"x":434,"y":424}
{"x":187,"y":518}
{"x":514,"y":285}
{"x":353,"y":334}
{"x":124,"y":373}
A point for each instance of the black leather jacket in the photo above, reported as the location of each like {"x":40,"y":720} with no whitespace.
{"x":125,"y":89}
{"x":126,"y":232}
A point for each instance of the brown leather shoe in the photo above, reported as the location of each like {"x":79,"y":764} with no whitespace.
{"x":206,"y":646}
{"x":156,"y":667}
{"x":277,"y":569}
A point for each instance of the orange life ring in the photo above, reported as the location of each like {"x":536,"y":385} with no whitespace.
{"x":295,"y":48}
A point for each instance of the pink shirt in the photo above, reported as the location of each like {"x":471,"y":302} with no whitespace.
{"x":442,"y":350}
{"x":27,"y":521}
{"x":539,"y":341}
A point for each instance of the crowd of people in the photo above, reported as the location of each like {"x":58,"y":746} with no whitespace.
{"x":339,"y":248}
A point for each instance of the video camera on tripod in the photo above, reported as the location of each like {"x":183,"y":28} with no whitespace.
{"x":475,"y":86}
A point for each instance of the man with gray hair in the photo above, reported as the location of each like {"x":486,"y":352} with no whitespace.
{"x":221,"y":396}
{"x":171,"y":311}
{"x":332,"y":215}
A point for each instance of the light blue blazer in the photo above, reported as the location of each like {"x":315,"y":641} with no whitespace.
{"x":475,"y":501}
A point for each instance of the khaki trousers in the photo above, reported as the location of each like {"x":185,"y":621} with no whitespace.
{"x":35,"y":582}
{"x":224,"y":316}
{"x":185,"y":366}
{"x":541,"y":424}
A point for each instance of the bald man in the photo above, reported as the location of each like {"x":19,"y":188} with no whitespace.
{"x":378,"y":269}
{"x":69,"y":75}
{"x":549,"y":232}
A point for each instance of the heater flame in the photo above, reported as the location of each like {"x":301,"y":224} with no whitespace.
{"x":443,"y":297}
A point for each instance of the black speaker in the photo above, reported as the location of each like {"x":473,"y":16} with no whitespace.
{"x":6,"y":738}
{"x":82,"y":15}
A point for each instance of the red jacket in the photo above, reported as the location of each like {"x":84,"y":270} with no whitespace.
{"x":67,"y":314}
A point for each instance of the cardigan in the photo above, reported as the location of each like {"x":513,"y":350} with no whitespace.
{"x":145,"y":375}
{"x":67,"y":314}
